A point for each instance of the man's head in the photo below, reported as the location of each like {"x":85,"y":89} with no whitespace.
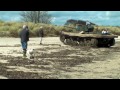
{"x":25,"y":26}
{"x":41,"y":27}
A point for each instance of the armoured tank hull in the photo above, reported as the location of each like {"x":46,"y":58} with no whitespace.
{"x":93,"y":40}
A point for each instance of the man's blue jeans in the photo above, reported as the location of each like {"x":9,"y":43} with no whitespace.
{"x":24,"y":45}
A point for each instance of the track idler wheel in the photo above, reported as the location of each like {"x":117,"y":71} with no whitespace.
{"x":94,"y":42}
{"x":62,"y":38}
{"x":67,"y":41}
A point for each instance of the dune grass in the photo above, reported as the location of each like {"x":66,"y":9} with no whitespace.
{"x":11,"y":29}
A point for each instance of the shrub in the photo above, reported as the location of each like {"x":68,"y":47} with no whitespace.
{"x":12,"y":29}
{"x":13,"y":33}
{"x":4,"y":28}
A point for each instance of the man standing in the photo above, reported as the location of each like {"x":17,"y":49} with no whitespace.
{"x":41,"y":34}
{"x":24,"y":35}
{"x":77,"y":27}
{"x":88,"y":24}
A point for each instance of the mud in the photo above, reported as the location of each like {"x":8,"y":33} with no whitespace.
{"x":53,"y":60}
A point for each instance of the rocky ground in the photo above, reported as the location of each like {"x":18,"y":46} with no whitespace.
{"x":54,"y":60}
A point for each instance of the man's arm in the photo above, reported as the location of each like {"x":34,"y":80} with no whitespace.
{"x":27,"y":35}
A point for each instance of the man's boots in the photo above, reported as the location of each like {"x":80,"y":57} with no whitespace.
{"x":40,"y":40}
{"x":24,"y":53}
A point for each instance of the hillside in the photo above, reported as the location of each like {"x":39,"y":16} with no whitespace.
{"x":11,"y":29}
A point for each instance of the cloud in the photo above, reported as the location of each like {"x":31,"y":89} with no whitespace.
{"x":60,"y":17}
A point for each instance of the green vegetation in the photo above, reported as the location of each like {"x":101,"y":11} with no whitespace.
{"x":11,"y":29}
{"x":112,"y":29}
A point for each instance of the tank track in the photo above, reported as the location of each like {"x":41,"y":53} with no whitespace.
{"x":75,"y":41}
{"x":90,"y":42}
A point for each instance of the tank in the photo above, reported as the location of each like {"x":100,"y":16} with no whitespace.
{"x":84,"y":36}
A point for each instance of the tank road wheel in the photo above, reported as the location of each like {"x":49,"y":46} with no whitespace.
{"x":88,"y":43}
{"x":81,"y":43}
{"x":62,"y":38}
{"x":68,"y":41}
{"x":71,"y":41}
{"x":112,"y":42}
{"x":75,"y":43}
{"x":85,"y":42}
{"x":94,"y":42}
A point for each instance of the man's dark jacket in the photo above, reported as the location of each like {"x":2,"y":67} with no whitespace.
{"x":41,"y":33}
{"x":24,"y":35}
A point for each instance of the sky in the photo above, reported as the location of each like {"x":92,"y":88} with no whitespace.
{"x":60,"y":17}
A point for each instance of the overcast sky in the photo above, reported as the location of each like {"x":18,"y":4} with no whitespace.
{"x":60,"y":17}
